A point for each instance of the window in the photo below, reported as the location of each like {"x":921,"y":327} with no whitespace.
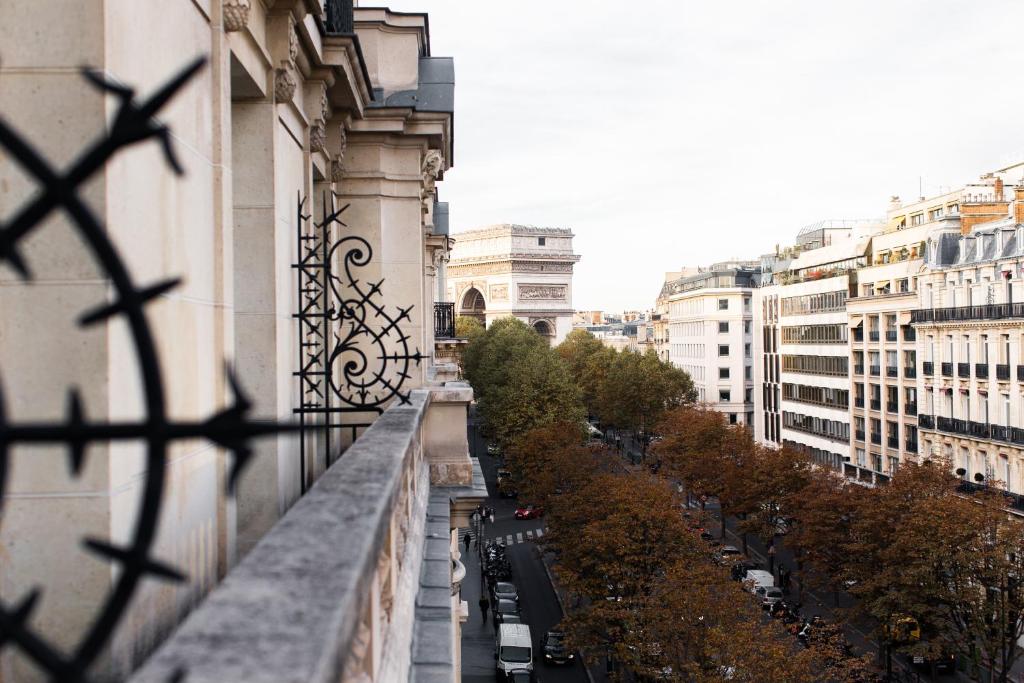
{"x":723,"y":304}
{"x":723,"y":373}
{"x":748,"y":396}
{"x":723,"y":349}
{"x":747,"y":373}
{"x":917,"y":219}
{"x":723,"y":326}
{"x":861,"y":457}
{"x":746,"y":350}
{"x":732,"y":418}
{"x":935,"y":214}
{"x":724,"y":395}
{"x":835,"y":366}
{"x":541,"y":241}
{"x":746,"y":327}
{"x":815,"y":334}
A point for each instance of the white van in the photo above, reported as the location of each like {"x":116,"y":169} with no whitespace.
{"x":758,"y":578}
{"x":515,"y":649}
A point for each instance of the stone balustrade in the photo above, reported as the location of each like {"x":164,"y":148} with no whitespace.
{"x":358,"y":581}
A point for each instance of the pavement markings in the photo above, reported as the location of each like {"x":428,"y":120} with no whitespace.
{"x":508,"y":540}
{"x":529,"y":535}
{"x":519,"y":537}
{"x":540,"y":532}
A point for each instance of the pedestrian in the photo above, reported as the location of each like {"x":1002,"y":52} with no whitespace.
{"x":466,"y":539}
{"x":484,"y":604}
{"x":490,"y":515}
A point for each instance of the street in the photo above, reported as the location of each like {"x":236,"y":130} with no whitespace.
{"x":540,"y":608}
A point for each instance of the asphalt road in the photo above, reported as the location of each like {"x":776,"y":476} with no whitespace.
{"x":537,"y":598}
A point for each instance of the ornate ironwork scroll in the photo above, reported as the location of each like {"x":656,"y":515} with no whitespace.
{"x":231,"y":428}
{"x":354,"y":357}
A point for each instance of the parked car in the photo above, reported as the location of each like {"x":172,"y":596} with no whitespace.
{"x":506,"y":612}
{"x":493,"y":449}
{"x":504,"y":590}
{"x":514,"y":652}
{"x":553,"y":646}
{"x":507,"y":488}
{"x":769,"y":596}
{"x":944,"y":662}
{"x":727,"y":553}
{"x":529,"y":511}
{"x":707,"y":535}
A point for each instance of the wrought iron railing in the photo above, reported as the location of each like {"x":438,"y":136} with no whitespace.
{"x":963,"y":369}
{"x":444,"y":320}
{"x":947,"y":369}
{"x":928,"y":368}
{"x":910,"y":408}
{"x":873,"y":335}
{"x":891,"y":371}
{"x":1013,"y":500}
{"x":962,"y":313}
{"x":1003,"y":372}
{"x":892,"y":407}
{"x":340,"y":16}
{"x":925,"y":421}
{"x":876,"y":404}
{"x":1020,"y":373}
{"x":981,"y":370}
{"x":890,"y":335}
{"x":876,"y":370}
{"x":910,"y":372}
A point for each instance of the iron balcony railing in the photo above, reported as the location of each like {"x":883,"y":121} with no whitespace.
{"x":876,"y":370}
{"x":926,"y":421}
{"x":911,"y":446}
{"x":444,"y":320}
{"x":890,"y":335}
{"x":892,"y":407}
{"x":876,"y":438}
{"x":858,"y":402}
{"x":981,"y":370}
{"x":963,"y":369}
{"x":858,"y":334}
{"x":858,"y":369}
{"x":340,"y":16}
{"x":963,"y":313}
{"x":876,"y":404}
{"x":892,"y":442}
{"x":1000,"y":433}
{"x":1003,"y":372}
{"x":951,"y":425}
{"x":891,"y":371}
{"x":873,"y":335}
{"x":979,"y":429}
{"x":1013,"y":500}
{"x":909,"y":334}
{"x":910,"y":408}
{"x":1020,"y":373}
{"x":859,"y":434}
{"x":1017,"y":435}
{"x":928,"y":367}
{"x":947,"y":369}
{"x":910,"y":372}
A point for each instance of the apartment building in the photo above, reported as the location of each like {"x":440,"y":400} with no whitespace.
{"x":767,"y":424}
{"x":804,"y":376}
{"x":970,"y":337}
{"x":711,"y":335}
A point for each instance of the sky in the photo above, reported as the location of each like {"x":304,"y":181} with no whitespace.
{"x":681,"y":133}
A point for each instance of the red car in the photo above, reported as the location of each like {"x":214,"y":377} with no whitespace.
{"x":529,"y":512}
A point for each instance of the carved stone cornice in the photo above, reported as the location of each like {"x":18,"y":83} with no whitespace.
{"x":458,"y":267}
{"x":285,"y":81}
{"x":235,"y":14}
{"x":433,"y":163}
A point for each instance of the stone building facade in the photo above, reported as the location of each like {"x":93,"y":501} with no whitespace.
{"x":294,"y":101}
{"x":514,"y":270}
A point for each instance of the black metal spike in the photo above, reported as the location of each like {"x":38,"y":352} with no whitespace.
{"x":242,"y":402}
{"x":131,"y":557}
{"x":242,"y":456}
{"x":139,"y":298}
{"x":164,"y":94}
{"x":76,"y":420}
{"x":10,"y":254}
{"x":18,"y":617}
{"x":98,"y":79}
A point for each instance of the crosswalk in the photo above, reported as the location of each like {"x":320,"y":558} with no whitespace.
{"x":528,"y":536}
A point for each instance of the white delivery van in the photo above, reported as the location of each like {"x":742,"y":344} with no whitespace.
{"x":758,"y":578}
{"x":515,"y":649}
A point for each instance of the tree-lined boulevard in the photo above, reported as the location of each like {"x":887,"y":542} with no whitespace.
{"x":918,"y":568}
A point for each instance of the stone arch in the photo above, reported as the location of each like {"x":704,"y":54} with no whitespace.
{"x":473,"y":304}
{"x":544,"y":328}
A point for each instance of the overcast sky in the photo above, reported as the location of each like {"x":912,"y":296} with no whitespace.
{"x":682,"y":133}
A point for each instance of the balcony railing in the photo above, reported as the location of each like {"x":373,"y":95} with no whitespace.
{"x":892,"y":407}
{"x":891,"y":371}
{"x":909,"y":334}
{"x":1020,"y":373}
{"x":340,"y":17}
{"x":951,"y":425}
{"x":873,"y":335}
{"x":910,"y":408}
{"x":858,"y":402}
{"x":876,"y":370}
{"x":981,"y":370}
{"x":947,"y":369}
{"x":890,"y":335}
{"x":1000,"y":433}
{"x":910,"y":446}
{"x":859,"y":434}
{"x":963,"y":370}
{"x":1017,"y":435}
{"x":876,"y":404}
{"x":876,"y":438}
{"x":892,"y":442}
{"x":979,"y":429}
{"x":926,"y":421}
{"x":858,"y":334}
{"x":444,"y":320}
{"x":928,"y":368}
{"x":1003,"y":372}
{"x":910,"y":372}
{"x":963,"y":313}
{"x":858,"y":369}
{"x":1013,"y":500}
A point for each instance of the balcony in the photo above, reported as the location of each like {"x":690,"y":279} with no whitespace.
{"x":926,"y":421}
{"x":873,"y":335}
{"x":892,"y":407}
{"x":909,"y":334}
{"x":951,"y":425}
{"x":981,"y":370}
{"x":876,"y":438}
{"x":947,"y":369}
{"x":876,"y":370}
{"x":858,"y":402}
{"x":928,"y":368}
{"x":910,"y":446}
{"x":858,"y":434}
{"x":1013,"y":500}
{"x":1000,"y":433}
{"x":964,"y":313}
{"x":362,"y":566}
{"x":444,"y":320}
{"x":340,"y":17}
{"x":893,"y":442}
{"x":864,"y":475}
{"x":858,"y":334}
{"x":890,"y":335}
{"x":1020,"y":373}
{"x":891,"y":371}
{"x":858,"y":369}
{"x":910,"y":408}
{"x":909,"y":372}
{"x":1003,"y":373}
{"x":963,"y":370}
{"x":876,"y":404}
{"x":1017,"y":435}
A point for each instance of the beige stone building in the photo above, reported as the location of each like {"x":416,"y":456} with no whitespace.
{"x":299,"y":99}
{"x":514,"y":270}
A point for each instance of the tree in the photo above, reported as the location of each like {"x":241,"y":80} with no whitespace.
{"x":578,"y":350}
{"x":552,"y":461}
{"x":468,"y":328}
{"x":762,"y":486}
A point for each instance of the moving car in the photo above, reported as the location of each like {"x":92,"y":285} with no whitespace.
{"x":514,"y":652}
{"x":530,"y":511}
{"x":504,"y":590}
{"x":553,"y":646}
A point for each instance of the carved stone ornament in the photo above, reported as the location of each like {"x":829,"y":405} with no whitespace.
{"x":293,"y":42}
{"x":325,"y":107}
{"x":433,"y":162}
{"x":542,"y":292}
{"x":236,"y":14}
{"x":284,"y":84}
{"x":337,"y":168}
{"x":499,"y":292}
{"x":318,"y":136}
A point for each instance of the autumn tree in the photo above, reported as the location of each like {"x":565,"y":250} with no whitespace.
{"x":637,"y":390}
{"x":763,"y":484}
{"x":580,"y":350}
{"x":554,"y":460}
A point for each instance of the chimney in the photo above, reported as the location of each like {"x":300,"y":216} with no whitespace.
{"x":894,"y":202}
{"x":1018,"y":203}
{"x":999,"y":189}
